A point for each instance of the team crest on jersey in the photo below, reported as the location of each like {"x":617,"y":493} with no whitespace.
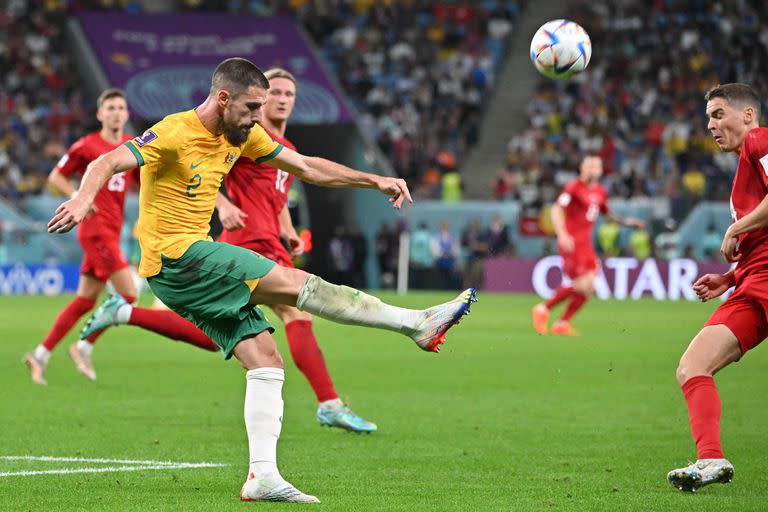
{"x":231,"y":157}
{"x":148,"y":137}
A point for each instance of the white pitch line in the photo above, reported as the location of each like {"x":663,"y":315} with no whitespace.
{"x":181,"y":465}
{"x":97,"y":461}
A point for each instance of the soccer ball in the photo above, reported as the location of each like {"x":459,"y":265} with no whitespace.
{"x":560,"y":49}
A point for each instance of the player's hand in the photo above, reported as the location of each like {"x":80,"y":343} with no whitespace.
{"x":295,"y":243}
{"x":729,"y":248}
{"x":709,"y":286}
{"x":232,"y":218}
{"x":634,"y":223}
{"x":566,"y":242}
{"x":396,"y":188}
{"x":68,"y":215}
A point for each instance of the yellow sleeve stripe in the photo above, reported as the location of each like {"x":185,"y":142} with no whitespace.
{"x":270,"y":156}
{"x":136,"y":153}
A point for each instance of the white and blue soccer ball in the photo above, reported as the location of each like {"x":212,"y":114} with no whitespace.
{"x":561,"y":49}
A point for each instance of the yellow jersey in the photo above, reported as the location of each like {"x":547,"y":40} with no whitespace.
{"x":182,"y":167}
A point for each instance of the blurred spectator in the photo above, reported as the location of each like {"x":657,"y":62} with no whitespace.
{"x":497,"y":236}
{"x":445,"y":249}
{"x":452,"y":187}
{"x":667,"y":243}
{"x":640,"y":243}
{"x":341,"y":256}
{"x":608,"y":238}
{"x":711,"y":243}
{"x":386,"y":254}
{"x":359,"y":247}
{"x":421,"y":248}
{"x":475,"y":244}
{"x":421,"y":257}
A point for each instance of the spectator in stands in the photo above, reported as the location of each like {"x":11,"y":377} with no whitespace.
{"x":711,"y":242}
{"x":608,"y":238}
{"x":497,"y":236}
{"x":421,"y":258}
{"x":474,"y":243}
{"x":386,"y":245}
{"x":667,"y":243}
{"x":341,"y":255}
{"x":640,"y":243}
{"x":359,"y":247}
{"x":445,"y":249}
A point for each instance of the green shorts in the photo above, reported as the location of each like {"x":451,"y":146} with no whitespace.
{"x":210,"y":285}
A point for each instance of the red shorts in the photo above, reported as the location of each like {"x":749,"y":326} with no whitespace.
{"x":272,"y":250}
{"x":102,"y":257}
{"x":745,"y":313}
{"x":577,"y":263}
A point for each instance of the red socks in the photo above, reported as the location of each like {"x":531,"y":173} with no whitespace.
{"x":574,"y":305}
{"x":67,"y":318}
{"x":172,"y":326}
{"x":560,"y":295}
{"x":704,"y":411}
{"x":309,"y":359}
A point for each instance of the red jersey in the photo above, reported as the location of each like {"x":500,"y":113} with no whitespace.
{"x":750,"y":186}
{"x":108,"y":221}
{"x":261,"y":191}
{"x":582,"y":203}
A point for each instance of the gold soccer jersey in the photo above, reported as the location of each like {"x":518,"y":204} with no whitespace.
{"x":182,"y":166}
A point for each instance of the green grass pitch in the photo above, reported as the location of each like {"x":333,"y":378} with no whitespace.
{"x":501,"y":419}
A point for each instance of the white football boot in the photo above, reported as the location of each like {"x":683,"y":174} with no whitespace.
{"x":81,"y":356}
{"x":273,"y":487}
{"x":700,"y":473}
{"x":430,"y":333}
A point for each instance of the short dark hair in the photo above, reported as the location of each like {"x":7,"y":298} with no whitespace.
{"x":736,"y":93}
{"x":108,"y":94}
{"x":236,"y":75}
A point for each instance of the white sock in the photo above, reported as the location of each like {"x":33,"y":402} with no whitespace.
{"x":123,"y":314}
{"x":85,"y":346}
{"x":346,"y":305}
{"x":263,"y":418}
{"x":42,"y":354}
{"x":331,"y":404}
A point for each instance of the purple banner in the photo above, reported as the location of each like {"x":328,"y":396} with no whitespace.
{"x":619,"y":278}
{"x":165,"y":61}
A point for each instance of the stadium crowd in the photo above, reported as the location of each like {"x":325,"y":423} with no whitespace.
{"x":640,"y":104}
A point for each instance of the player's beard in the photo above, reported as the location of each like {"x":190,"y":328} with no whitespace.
{"x":235,"y":135}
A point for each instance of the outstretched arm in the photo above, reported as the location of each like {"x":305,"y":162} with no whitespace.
{"x":72,"y":212}
{"x":320,"y":171}
{"x":628,"y":221}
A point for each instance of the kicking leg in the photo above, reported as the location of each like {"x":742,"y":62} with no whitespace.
{"x":711,"y":350}
{"x":306,"y":353}
{"x":346,"y":305}
{"x":263,"y":414}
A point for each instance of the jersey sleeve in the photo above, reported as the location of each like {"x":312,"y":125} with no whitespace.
{"x":757,"y":149}
{"x":73,"y":161}
{"x":161,"y":142}
{"x":566,"y":195}
{"x":260,"y":147}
